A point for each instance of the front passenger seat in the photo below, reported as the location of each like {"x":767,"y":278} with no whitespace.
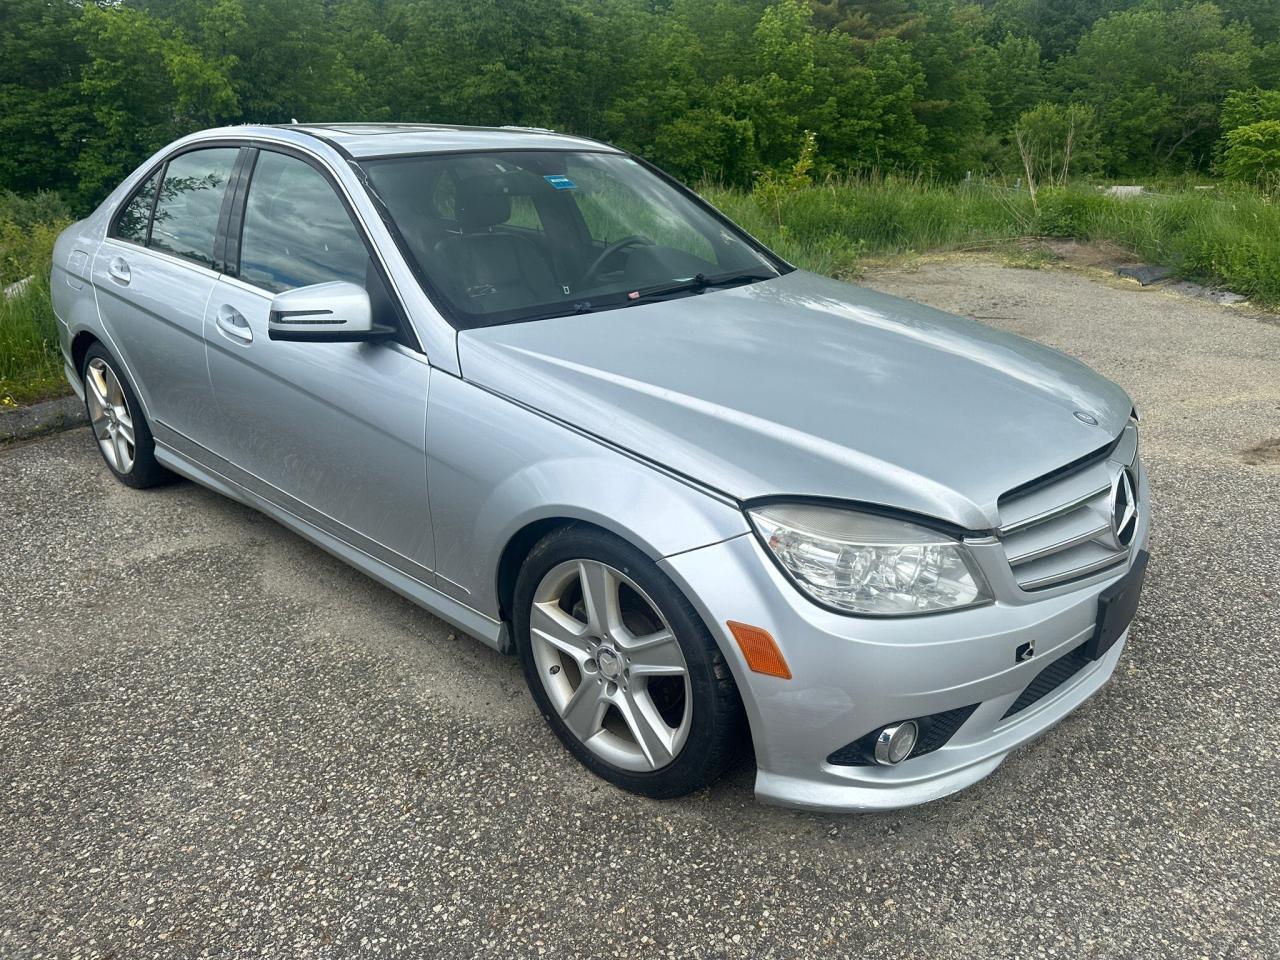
{"x":493,"y":271}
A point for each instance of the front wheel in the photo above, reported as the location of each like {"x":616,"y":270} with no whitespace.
{"x":622,"y":666}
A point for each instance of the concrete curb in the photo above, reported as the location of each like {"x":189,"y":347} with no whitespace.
{"x":51,"y":416}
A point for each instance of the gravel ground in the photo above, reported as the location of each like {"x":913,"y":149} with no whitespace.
{"x":217,"y":741}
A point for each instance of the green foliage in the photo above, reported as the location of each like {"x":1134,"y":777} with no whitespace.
{"x":42,"y":112}
{"x":1252,"y":152}
{"x":28,"y":227}
{"x":773,"y":187}
{"x":1157,"y":76}
{"x":1054,"y":141}
{"x":1064,"y":212}
{"x":718,"y":89}
{"x":1227,"y":236}
{"x":30,"y":361}
{"x":1243,"y":107}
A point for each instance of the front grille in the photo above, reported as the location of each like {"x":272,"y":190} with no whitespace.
{"x":1049,"y":679}
{"x":1058,"y":529}
{"x":935,"y":730}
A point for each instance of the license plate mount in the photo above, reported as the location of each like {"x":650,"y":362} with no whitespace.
{"x":1116,"y":607}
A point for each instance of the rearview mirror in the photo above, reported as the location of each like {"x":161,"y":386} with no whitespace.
{"x":336,"y":312}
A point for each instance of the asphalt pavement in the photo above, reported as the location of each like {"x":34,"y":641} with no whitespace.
{"x":216,"y":740}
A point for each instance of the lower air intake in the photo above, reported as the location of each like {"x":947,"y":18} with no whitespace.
{"x":1049,"y":679}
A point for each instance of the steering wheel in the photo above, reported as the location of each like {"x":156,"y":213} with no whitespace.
{"x":635,"y":240}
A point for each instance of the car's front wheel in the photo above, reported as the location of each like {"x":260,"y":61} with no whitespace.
{"x":622,"y":666}
{"x":119,"y":426}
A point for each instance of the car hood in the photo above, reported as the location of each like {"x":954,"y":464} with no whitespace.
{"x":806,"y":386}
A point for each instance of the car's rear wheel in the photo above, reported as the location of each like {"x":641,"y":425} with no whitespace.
{"x":622,"y":666}
{"x":119,"y":426}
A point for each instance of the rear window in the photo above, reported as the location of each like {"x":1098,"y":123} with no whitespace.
{"x":186,"y":219}
{"x":131,"y":223}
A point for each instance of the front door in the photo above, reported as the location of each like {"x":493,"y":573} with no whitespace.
{"x":334,"y":433}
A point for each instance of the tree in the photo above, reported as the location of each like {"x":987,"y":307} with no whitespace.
{"x":869,"y":20}
{"x":1156,"y":78}
{"x":145,"y":85}
{"x":1056,"y":25}
{"x":1015,"y":84}
{"x":42,"y":112}
{"x":1049,"y":138}
{"x":953,"y":107}
{"x":1252,"y":152}
{"x":1243,"y":107}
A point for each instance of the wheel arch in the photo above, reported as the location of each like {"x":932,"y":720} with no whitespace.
{"x":522,"y":542}
{"x":514,"y":553}
{"x":80,"y":345}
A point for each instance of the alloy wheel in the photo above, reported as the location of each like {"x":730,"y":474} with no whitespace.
{"x":109,"y":415}
{"x":611,"y":665}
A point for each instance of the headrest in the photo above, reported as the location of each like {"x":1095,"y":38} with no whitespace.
{"x":481,"y":202}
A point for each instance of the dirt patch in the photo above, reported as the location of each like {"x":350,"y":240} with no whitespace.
{"x":1265,"y":454}
{"x":1098,"y":255}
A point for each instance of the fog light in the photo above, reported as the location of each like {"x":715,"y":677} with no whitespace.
{"x":895,"y":742}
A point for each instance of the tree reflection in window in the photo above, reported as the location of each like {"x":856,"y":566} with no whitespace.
{"x":186,"y":218}
{"x":131,"y":224}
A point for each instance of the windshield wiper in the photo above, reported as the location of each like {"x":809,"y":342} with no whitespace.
{"x":696,"y":284}
{"x":568,"y":310}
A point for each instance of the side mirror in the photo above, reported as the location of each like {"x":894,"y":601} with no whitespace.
{"x":337,"y":312}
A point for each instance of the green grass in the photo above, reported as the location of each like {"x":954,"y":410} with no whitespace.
{"x":1228,"y":236}
{"x":30,"y":361}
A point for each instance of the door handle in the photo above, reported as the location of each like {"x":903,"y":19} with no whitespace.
{"x":118,"y":270}
{"x":232,"y":323}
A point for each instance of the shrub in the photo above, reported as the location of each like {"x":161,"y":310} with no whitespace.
{"x":773,"y":186}
{"x":1252,"y":152}
{"x":1070,"y":212}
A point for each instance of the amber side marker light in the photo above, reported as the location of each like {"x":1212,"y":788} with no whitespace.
{"x":760,"y":650}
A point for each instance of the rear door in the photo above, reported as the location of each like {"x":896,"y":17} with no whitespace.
{"x":154,"y":274}
{"x":335,"y":433}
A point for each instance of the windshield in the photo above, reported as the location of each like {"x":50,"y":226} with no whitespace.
{"x":524,"y":235}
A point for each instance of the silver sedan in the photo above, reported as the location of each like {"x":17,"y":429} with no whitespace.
{"x":712,"y":502}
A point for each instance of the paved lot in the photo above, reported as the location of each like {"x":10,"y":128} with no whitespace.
{"x":215,"y":740}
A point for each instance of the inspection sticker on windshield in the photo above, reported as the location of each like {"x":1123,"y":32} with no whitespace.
{"x":560,"y":181}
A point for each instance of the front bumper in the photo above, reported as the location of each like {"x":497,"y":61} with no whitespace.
{"x":852,"y":675}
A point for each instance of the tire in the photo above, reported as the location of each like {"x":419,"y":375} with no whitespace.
{"x":114,"y":414}
{"x":692,"y":725}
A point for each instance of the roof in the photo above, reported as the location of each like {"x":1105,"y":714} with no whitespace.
{"x":387,"y":139}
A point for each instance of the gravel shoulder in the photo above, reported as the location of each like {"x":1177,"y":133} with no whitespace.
{"x":215,"y":740}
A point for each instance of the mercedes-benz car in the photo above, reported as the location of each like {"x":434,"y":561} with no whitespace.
{"x":716,"y":505}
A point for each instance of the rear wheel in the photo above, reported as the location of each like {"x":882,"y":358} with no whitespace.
{"x":622,"y":666}
{"x":119,"y":426}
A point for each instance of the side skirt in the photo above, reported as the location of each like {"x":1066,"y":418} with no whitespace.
{"x":490,"y":632}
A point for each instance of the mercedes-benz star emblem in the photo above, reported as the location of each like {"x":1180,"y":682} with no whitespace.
{"x":1124,"y":507}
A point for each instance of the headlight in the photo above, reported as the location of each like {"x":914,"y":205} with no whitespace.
{"x":871,"y":565}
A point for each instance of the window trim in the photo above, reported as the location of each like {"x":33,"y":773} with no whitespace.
{"x":235,"y":229}
{"x":161,"y":168}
